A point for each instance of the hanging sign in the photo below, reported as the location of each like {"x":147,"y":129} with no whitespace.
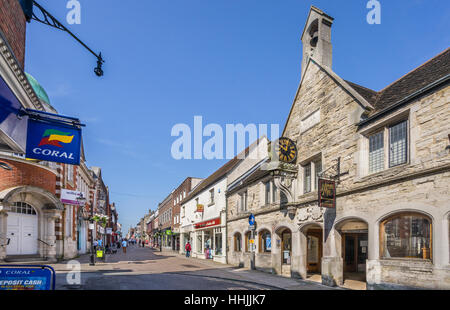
{"x":18,"y":277}
{"x":53,"y":142}
{"x":200,"y":208}
{"x":70,"y":197}
{"x":327,"y":193}
{"x":207,"y":223}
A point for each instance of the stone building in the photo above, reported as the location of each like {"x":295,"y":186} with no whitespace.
{"x":388,"y":152}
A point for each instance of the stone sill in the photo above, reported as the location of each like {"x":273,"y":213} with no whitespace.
{"x":385,"y":172}
{"x":414,"y":265}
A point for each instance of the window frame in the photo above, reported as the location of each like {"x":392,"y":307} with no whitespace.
{"x":399,"y":215}
{"x":305,"y":167}
{"x":236,"y":243}
{"x":261,"y":241}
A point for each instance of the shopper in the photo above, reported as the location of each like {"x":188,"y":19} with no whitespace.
{"x":188,"y":249}
{"x":124,"y":245}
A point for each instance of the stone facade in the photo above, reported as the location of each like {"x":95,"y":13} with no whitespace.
{"x":331,"y":121}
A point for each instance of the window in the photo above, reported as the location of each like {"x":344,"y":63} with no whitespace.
{"x":265,"y":242}
{"x":69,"y":173}
{"x":247,"y":241}
{"x":317,"y":170}
{"x":397,"y":144}
{"x":22,"y":207}
{"x":406,"y":236}
{"x":199,"y":242}
{"x":237,"y":242}
{"x":376,"y":152}
{"x":274,"y":192}
{"x":243,"y":201}
{"x":267,"y":193}
{"x":211,"y":196}
{"x":307,"y":178}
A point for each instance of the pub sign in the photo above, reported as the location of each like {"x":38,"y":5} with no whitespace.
{"x":327,"y":193}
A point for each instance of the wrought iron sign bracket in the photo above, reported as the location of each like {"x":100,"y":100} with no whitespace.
{"x":336,"y":169}
{"x":49,"y":20}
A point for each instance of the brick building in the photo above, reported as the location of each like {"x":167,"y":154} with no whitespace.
{"x":165,"y":221}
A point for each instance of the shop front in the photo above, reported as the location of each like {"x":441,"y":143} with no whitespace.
{"x":209,"y":236}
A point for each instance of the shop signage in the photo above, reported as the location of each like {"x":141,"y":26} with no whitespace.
{"x":200,"y":208}
{"x":108,"y":231}
{"x":13,"y":129}
{"x":70,"y":197}
{"x":327,"y":193}
{"x":53,"y":142}
{"x":207,"y":223}
{"x":17,"y":277}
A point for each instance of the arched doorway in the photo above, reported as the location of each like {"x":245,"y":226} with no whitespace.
{"x":286,"y":251}
{"x":314,"y":249}
{"x":22,"y":230}
{"x":354,"y":247}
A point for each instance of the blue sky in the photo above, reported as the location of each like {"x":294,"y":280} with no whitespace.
{"x":230,"y":61}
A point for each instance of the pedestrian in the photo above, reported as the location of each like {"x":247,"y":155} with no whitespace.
{"x":124,"y":246}
{"x":188,"y":249}
{"x":95,"y":245}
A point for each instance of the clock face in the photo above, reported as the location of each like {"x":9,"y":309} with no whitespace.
{"x":286,"y":150}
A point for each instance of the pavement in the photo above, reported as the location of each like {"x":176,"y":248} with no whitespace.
{"x":149,"y":269}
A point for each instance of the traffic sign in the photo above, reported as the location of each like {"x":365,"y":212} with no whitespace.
{"x":251,"y":220}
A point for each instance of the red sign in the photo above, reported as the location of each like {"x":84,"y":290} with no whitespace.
{"x":327,"y":194}
{"x":200,"y":208}
{"x":207,"y":223}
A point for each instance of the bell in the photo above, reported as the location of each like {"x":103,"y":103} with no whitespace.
{"x":314,"y":39}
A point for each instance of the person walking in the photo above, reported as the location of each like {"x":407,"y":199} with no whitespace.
{"x":188,"y":249}
{"x":124,"y":246}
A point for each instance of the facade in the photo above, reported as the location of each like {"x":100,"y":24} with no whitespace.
{"x":388,"y":152}
{"x":178,"y":195}
{"x":204,"y":213}
{"x":165,"y":222}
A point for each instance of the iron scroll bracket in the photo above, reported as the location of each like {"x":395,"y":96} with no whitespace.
{"x":47,"y":19}
{"x":333,"y":172}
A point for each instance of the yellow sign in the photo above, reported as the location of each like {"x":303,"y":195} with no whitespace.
{"x":99,"y":253}
{"x":200,"y":208}
{"x":252,"y":240}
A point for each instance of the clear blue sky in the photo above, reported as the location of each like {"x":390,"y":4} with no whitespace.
{"x":231,"y":61}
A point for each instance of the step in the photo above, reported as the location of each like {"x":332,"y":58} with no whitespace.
{"x":24,"y":259}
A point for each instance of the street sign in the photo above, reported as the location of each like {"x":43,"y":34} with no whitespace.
{"x":108,"y":231}
{"x":251,"y":227}
{"x":251,"y":219}
{"x":19,"y":277}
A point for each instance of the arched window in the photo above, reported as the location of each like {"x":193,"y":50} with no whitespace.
{"x":237,"y":242}
{"x":22,"y":207}
{"x":406,"y":235}
{"x":247,"y":241}
{"x":265,"y":241}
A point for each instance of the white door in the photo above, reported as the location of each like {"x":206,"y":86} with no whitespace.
{"x":22,"y":230}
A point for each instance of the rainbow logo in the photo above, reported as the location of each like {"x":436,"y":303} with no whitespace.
{"x":54,"y":137}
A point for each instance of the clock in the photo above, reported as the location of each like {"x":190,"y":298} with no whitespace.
{"x":286,"y":150}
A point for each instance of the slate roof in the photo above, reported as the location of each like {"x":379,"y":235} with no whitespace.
{"x":431,"y":71}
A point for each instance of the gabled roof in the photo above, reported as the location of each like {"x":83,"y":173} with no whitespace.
{"x":433,"y":70}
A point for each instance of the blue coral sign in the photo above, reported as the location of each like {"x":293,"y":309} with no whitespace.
{"x":29,"y":278}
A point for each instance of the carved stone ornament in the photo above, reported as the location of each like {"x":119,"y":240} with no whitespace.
{"x":310,"y":214}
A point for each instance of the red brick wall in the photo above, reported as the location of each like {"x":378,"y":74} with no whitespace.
{"x":13,"y":25}
{"x":26,"y":174}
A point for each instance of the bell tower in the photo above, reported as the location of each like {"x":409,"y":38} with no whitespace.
{"x":316,"y":38}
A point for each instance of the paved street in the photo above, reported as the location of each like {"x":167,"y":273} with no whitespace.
{"x":148,"y":269}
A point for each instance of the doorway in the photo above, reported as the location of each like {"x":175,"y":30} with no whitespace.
{"x":355,"y":247}
{"x":22,"y":230}
{"x":314,"y":239}
{"x":286,"y":252}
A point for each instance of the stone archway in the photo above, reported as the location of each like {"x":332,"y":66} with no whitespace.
{"x":48,"y":209}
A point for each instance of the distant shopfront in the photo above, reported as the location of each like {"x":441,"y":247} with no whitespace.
{"x":209,"y":240}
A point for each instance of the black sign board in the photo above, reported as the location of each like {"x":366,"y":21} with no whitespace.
{"x":327,"y":194}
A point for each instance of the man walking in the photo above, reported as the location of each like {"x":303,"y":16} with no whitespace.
{"x":124,"y":246}
{"x":188,"y":249}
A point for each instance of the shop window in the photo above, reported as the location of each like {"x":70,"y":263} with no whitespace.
{"x":237,"y":242}
{"x":406,"y":235}
{"x":199,"y":243}
{"x":265,"y":242}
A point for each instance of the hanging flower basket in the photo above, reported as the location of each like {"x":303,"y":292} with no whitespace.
{"x":100,"y":218}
